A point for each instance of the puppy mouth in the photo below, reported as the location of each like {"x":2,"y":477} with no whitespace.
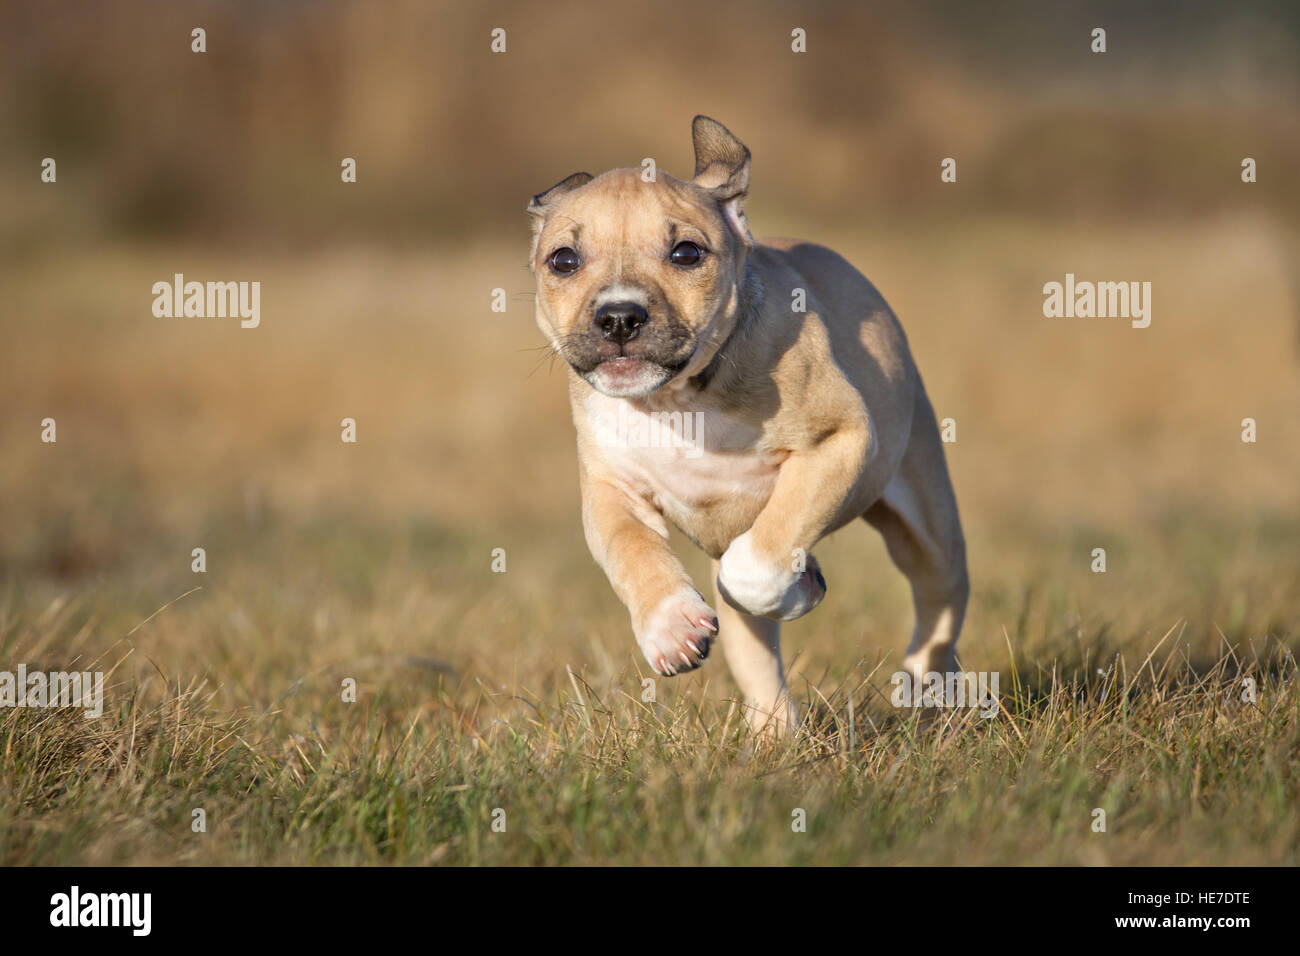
{"x":626,"y":363}
{"x":631,"y":376}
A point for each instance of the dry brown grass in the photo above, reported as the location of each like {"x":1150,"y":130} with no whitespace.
{"x":373,"y":561}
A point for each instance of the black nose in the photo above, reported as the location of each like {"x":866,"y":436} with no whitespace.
{"x":620,"y":321}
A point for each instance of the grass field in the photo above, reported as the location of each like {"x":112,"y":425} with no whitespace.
{"x":521,"y":691}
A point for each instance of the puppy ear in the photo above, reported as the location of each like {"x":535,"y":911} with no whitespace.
{"x":537,"y":205}
{"x":722,"y":168}
{"x":568,"y":184}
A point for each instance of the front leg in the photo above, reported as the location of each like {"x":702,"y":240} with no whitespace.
{"x":752,"y":646}
{"x":629,"y":540}
{"x":769,"y":571}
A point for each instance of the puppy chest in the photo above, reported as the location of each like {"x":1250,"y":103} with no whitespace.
{"x":696,"y":465}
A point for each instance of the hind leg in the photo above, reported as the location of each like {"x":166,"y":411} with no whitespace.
{"x":917,"y":515}
{"x":752,"y":646}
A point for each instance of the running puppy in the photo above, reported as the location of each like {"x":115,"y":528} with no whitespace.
{"x":702,"y":395}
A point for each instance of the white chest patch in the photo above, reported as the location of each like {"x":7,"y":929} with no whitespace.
{"x":684,"y":459}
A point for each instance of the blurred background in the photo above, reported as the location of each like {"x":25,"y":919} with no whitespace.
{"x":327,"y":558}
{"x":242,"y":144}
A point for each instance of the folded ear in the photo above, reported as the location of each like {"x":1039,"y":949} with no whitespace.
{"x":568,"y":184}
{"x":722,"y":167}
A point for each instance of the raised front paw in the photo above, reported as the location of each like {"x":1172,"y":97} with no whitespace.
{"x":676,"y":635}
{"x":765,"y":588}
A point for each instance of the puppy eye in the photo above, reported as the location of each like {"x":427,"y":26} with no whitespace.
{"x":686,"y":254}
{"x":564,"y":261}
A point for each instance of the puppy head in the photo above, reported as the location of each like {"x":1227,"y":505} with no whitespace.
{"x":638,"y":282}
